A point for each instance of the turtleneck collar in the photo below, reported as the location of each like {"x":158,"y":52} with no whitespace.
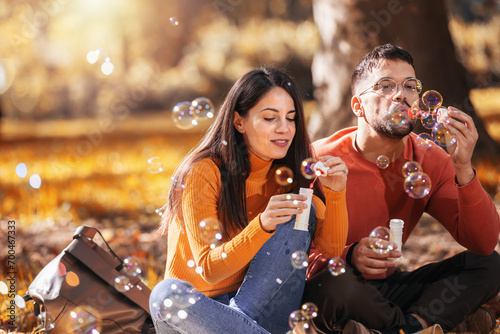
{"x":258,"y":168}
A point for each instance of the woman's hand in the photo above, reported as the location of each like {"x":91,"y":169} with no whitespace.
{"x":336,"y":177}
{"x":280,"y":209}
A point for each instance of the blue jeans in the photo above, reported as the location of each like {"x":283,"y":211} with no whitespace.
{"x":270,"y":291}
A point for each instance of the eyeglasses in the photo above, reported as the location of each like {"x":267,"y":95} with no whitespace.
{"x":387,"y":87}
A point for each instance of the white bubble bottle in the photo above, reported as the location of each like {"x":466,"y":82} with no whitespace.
{"x":302,"y":219}
{"x":396,"y":226}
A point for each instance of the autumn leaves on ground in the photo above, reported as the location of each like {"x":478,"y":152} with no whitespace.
{"x":104,"y":181}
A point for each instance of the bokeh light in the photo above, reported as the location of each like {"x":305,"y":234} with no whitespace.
{"x":107,"y":67}
{"x":21,"y":170}
{"x":35,"y":181}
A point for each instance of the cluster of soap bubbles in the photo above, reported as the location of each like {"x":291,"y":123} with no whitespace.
{"x":35,"y":181}
{"x":185,"y":114}
{"x":309,"y":168}
{"x":417,"y":184}
{"x":180,"y":296}
{"x":432,"y":116}
{"x":107,"y":66}
{"x":300,"y":319}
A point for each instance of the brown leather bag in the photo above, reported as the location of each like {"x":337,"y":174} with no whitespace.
{"x":89,"y":299}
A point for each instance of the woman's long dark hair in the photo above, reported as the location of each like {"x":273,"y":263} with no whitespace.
{"x":227,"y":147}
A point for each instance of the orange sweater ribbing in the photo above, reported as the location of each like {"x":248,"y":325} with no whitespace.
{"x":214,"y":274}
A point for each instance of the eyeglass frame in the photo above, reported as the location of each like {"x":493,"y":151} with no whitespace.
{"x":419,"y":86}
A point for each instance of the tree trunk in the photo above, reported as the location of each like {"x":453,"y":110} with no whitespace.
{"x":351,"y":28}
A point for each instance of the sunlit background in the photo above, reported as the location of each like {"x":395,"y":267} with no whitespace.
{"x":88,"y":88}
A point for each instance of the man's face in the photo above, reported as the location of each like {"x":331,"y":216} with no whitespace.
{"x":376,"y":105}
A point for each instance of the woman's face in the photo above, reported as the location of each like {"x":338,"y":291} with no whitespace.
{"x":269,"y":126}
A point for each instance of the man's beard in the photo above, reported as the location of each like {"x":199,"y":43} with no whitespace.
{"x":394,"y":132}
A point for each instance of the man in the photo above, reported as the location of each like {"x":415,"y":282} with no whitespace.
{"x":374,"y":293}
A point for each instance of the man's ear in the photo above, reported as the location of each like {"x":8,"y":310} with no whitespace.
{"x":238,"y":122}
{"x":356,"y":106}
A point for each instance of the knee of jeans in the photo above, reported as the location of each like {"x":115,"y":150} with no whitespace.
{"x":164,"y":294}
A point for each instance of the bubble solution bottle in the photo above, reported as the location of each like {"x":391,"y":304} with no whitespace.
{"x":396,"y":226}
{"x":302,"y":219}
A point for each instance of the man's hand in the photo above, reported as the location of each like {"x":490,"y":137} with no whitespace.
{"x":462,"y":126}
{"x":369,"y":262}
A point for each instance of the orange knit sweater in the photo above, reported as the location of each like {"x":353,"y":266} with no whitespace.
{"x":222,"y":269}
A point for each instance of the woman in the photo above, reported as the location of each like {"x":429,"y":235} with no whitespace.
{"x":245,"y":282}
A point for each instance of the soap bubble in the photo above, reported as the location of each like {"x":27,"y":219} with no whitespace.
{"x":429,"y":120}
{"x":296,"y":317}
{"x":310,"y":310}
{"x":300,"y":259}
{"x":180,"y":296}
{"x":203,"y":107}
{"x":132,"y":266}
{"x":442,"y":136}
{"x":424,"y":140}
{"x":432,"y":99}
{"x":380,"y":240}
{"x":107,"y":67}
{"x":417,"y":185}
{"x":155,"y":165}
{"x":173,"y":21}
{"x":21,"y":170}
{"x":383,"y":162}
{"x":411,"y":167}
{"x":307,"y":168}
{"x":283,"y":176}
{"x":177,"y":184}
{"x":183,"y":116}
{"x":122,"y":283}
{"x":209,"y":231}
{"x":336,"y":266}
{"x":84,"y":320}
{"x":396,"y":116}
{"x":45,"y":321}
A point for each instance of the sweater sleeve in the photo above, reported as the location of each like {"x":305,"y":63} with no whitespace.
{"x":332,"y":223}
{"x":472,"y":219}
{"x":199,"y":202}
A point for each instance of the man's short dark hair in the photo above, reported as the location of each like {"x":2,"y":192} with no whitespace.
{"x":371,"y":60}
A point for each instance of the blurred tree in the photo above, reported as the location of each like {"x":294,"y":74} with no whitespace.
{"x":351,"y":28}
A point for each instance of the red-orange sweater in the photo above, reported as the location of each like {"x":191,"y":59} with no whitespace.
{"x":218,"y":275}
{"x":374,"y":195}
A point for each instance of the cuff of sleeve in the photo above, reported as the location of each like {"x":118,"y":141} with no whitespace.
{"x":348,"y":256}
